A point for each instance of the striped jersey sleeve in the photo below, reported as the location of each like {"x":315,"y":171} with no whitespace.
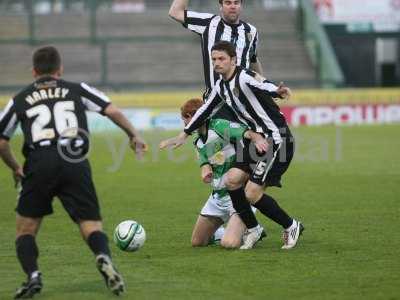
{"x":197,"y":22}
{"x":206,"y":111}
{"x":258,"y":95}
{"x":8,"y":121}
{"x":263,"y":85}
{"x":253,"y":50}
{"x":93,"y":99}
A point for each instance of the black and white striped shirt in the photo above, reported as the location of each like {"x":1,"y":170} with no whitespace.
{"x":50,"y":108}
{"x":251,"y":98}
{"x":212,"y":29}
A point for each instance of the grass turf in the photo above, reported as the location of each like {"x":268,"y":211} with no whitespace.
{"x":344,"y":185}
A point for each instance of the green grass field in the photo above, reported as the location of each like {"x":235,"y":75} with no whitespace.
{"x":344,"y":185}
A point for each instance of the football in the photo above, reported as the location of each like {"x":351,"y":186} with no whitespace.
{"x":129,"y":236}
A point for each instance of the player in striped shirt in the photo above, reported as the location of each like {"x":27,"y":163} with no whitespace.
{"x":216,"y":152}
{"x":267,"y":157}
{"x":225,"y":27}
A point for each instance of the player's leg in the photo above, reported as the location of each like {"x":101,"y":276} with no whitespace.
{"x":268,"y":172}
{"x":234,"y":232}
{"x":235,"y":181}
{"x":78,"y":196}
{"x":27,"y":254}
{"x":92,"y":233}
{"x":34,"y":202}
{"x":204,"y":229}
{"x":271,"y":209}
{"x":208,"y":222}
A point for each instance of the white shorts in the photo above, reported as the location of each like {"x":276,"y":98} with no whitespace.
{"x":220,"y":208}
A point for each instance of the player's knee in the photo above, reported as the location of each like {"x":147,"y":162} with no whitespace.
{"x":27,"y":226}
{"x":26,"y":231}
{"x":232,"y":182}
{"x":230,"y":242}
{"x":198,"y":242}
{"x":253,"y":194}
{"x":88,"y":227}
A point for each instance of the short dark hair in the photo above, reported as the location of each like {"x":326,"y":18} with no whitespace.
{"x":222,"y":1}
{"x":226,"y":47}
{"x":46,"y":60}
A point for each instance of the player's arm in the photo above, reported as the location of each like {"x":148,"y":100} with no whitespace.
{"x":177,"y":10}
{"x":8,"y":124}
{"x":255,"y":63}
{"x":119,"y":119}
{"x":205,"y":167}
{"x":206,"y":111}
{"x":206,"y":173}
{"x":259,"y":140}
{"x":263,"y":87}
{"x":257,"y":67}
{"x":9,"y":159}
{"x":96,"y":101}
{"x":192,"y":20}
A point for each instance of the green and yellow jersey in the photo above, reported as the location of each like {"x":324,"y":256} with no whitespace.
{"x":215,"y":148}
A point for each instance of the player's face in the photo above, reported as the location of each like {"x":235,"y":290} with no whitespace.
{"x":230,"y":10}
{"x":186,"y":119}
{"x":222,"y":62}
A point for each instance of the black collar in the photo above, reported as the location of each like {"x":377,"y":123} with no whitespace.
{"x":233,"y":75}
{"x":232,"y":24}
{"x":45,"y":78}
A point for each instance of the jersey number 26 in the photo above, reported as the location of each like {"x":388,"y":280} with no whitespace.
{"x":66,"y":123}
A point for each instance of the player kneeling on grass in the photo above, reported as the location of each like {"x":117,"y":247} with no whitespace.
{"x":52,"y":113}
{"x":216,"y":156}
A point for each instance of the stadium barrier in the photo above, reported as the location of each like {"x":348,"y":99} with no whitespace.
{"x":307,"y":107}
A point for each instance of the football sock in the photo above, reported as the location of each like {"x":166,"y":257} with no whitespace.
{"x":98,"y":243}
{"x":243,"y":208}
{"x":27,"y":253}
{"x":270,"y":208}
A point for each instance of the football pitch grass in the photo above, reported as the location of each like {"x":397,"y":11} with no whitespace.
{"x":344,"y":184}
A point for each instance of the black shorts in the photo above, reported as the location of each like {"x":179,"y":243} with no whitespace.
{"x":48,"y":175}
{"x":267,"y":168}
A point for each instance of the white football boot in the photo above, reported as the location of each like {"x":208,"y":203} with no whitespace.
{"x":111,"y":276}
{"x":252,"y":236}
{"x":291,"y":235}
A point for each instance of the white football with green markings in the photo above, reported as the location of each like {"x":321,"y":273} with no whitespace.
{"x":129,"y":236}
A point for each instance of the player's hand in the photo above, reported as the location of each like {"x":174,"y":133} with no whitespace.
{"x":206,"y":173}
{"x":18,"y":174}
{"x":260,"y":142}
{"x":283,"y":91}
{"x":139,"y":146}
{"x":174,"y":142}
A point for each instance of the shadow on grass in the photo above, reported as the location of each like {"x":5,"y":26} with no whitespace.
{"x":85,"y":289}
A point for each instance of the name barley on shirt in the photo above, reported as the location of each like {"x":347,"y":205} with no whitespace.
{"x":44,"y":94}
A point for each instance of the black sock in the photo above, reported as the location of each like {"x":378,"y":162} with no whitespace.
{"x":243,"y":208}
{"x":98,"y":243}
{"x":270,"y":208}
{"x":27,"y":253}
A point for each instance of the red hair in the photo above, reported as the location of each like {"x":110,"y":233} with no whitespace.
{"x":189,"y":108}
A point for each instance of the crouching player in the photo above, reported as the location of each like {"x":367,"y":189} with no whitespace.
{"x":216,"y":156}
